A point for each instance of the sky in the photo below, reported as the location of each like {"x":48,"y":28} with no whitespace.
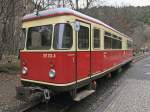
{"x":128,"y":2}
{"x":121,"y":2}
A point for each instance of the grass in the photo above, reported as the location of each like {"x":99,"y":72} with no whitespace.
{"x":10,"y":67}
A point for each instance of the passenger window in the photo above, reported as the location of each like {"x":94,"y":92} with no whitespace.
{"x":120,"y":44}
{"x":107,"y":40}
{"x":116,"y":42}
{"x":63,"y":36}
{"x":96,"y":35}
{"x":83,"y":38}
{"x":129,"y":44}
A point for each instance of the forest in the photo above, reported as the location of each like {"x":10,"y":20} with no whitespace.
{"x":133,"y":21}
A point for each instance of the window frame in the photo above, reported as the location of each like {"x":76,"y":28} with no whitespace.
{"x":89,"y":30}
{"x":129,"y":44}
{"x":95,"y":28}
{"x":25,"y":39}
{"x":113,"y":37}
{"x":54,"y":34}
{"x":27,"y":33}
{"x":118,"y":42}
{"x":110,"y":37}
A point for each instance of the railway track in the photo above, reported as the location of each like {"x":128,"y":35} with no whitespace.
{"x":28,"y":107}
{"x":138,"y":58}
{"x":56,"y":103}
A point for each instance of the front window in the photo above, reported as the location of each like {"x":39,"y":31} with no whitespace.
{"x":39,"y":37}
{"x":23,"y":33}
{"x":23,"y":37}
{"x":63,"y":36}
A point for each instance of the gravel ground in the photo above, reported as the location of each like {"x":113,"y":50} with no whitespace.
{"x":134,"y":97}
{"x":135,"y":94}
{"x":8,"y":100}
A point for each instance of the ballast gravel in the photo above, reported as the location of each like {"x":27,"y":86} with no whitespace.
{"x":134,"y":97}
{"x":8,"y":101}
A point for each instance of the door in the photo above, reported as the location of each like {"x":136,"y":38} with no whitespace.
{"x":83,"y":52}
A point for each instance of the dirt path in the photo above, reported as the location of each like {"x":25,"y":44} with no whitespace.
{"x":8,"y":83}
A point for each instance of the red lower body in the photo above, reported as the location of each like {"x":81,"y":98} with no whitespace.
{"x":70,"y":67}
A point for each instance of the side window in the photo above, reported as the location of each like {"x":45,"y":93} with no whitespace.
{"x":83,"y":38}
{"x":129,"y":44}
{"x":116,"y":42}
{"x":96,"y":38}
{"x":107,"y":40}
{"x":120,"y":43}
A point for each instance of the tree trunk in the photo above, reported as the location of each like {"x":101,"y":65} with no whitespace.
{"x":1,"y":51}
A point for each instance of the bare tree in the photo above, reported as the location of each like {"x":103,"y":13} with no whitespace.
{"x":11,"y":12}
{"x":7,"y":8}
{"x":73,"y":4}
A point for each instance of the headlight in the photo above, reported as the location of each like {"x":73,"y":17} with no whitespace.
{"x":24,"y":70}
{"x":52,"y":73}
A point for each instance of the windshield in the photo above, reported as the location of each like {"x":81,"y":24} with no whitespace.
{"x":23,"y":35}
{"x":39,"y":37}
{"x":63,"y":36}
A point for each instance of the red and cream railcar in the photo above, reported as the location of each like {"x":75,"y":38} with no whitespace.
{"x":66,"y":50}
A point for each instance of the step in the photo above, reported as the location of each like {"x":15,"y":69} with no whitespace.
{"x":81,"y":95}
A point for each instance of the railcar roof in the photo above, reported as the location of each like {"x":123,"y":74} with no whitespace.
{"x":63,"y":11}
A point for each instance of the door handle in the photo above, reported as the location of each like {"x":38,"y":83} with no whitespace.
{"x":105,"y":53}
{"x":73,"y":60}
{"x":88,"y":55}
{"x":70,"y":54}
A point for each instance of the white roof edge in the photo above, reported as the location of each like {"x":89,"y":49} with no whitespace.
{"x":67,"y":10}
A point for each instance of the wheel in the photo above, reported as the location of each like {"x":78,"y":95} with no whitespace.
{"x":93,"y":85}
{"x":129,"y":64}
{"x":109,"y":75}
{"x":73,"y":93}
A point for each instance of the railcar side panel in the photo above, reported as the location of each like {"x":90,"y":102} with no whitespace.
{"x":104,"y":60}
